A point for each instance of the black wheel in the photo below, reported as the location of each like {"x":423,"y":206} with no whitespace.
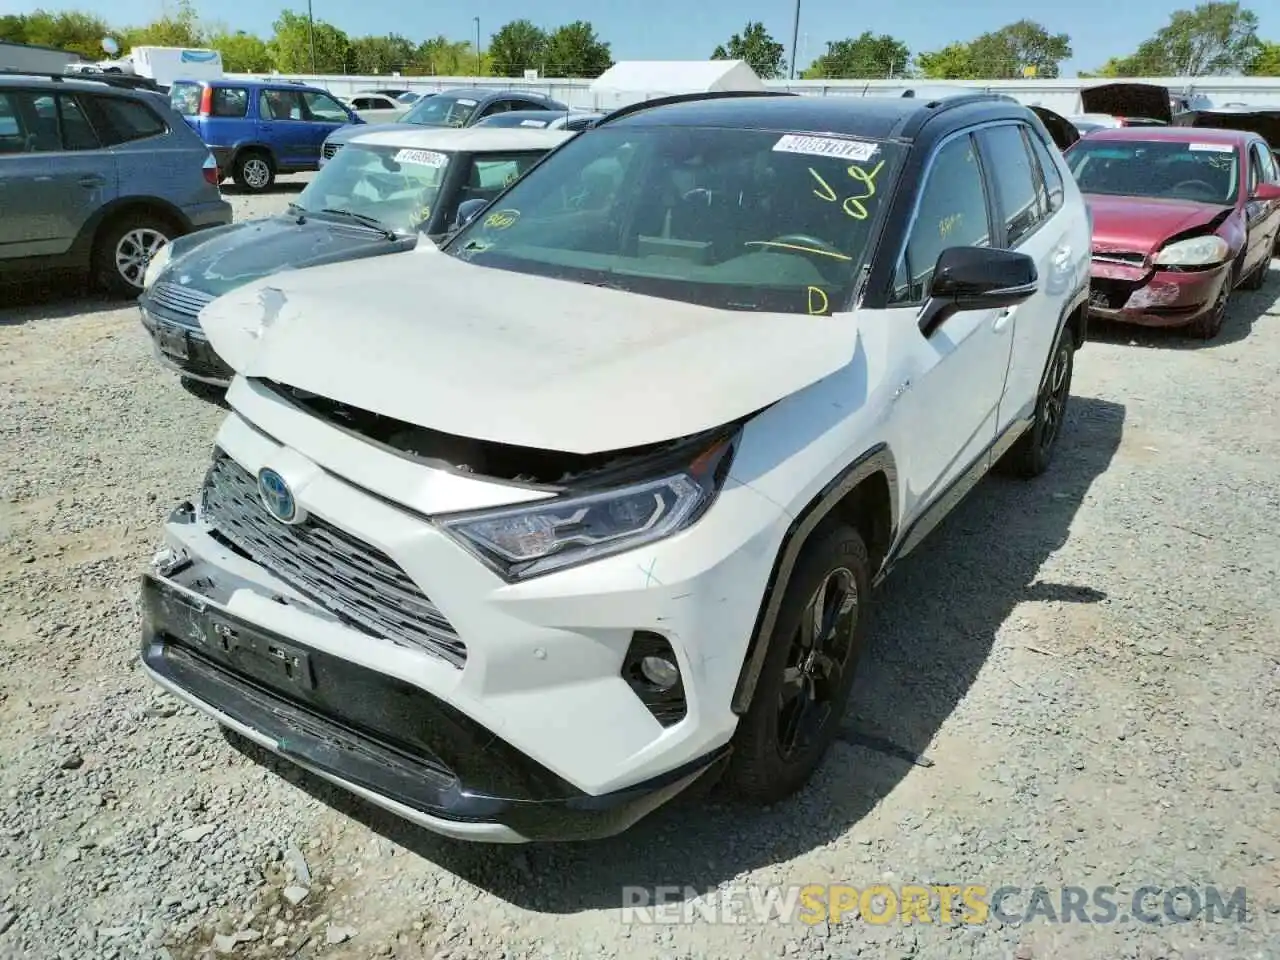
{"x":1032,"y":453}
{"x":1209,"y":325}
{"x":254,"y":171}
{"x":804,"y":685}
{"x":125,"y":248}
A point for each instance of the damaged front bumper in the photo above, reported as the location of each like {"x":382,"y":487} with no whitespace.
{"x":183,"y":348}
{"x":393,"y":744}
{"x":1153,"y":297}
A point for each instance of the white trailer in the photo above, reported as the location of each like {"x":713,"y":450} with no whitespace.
{"x":164,"y":65}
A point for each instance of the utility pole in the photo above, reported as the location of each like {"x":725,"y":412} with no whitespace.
{"x":311,"y":35}
{"x":477,"y":20}
{"x":795,"y":40}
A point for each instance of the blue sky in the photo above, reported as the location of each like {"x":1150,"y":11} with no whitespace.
{"x":679,"y":29}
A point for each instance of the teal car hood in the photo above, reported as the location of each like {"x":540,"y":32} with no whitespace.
{"x":220,"y":260}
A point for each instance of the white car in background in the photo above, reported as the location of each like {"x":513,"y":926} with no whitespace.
{"x":377,"y":107}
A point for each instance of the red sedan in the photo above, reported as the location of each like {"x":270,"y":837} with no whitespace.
{"x":1181,"y":217}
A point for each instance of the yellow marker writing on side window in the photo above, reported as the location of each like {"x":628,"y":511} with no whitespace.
{"x":818,"y":302}
{"x":947,"y":224}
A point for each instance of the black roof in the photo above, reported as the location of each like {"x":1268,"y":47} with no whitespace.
{"x":875,"y":118}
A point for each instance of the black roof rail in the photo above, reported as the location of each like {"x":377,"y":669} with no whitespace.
{"x":688,"y":98}
{"x":111,"y":79}
{"x":910,"y":126}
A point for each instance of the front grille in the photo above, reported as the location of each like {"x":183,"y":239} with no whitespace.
{"x":180,"y":300}
{"x":1122,"y":256}
{"x":1110,"y":294}
{"x":330,"y":149}
{"x":356,"y":582}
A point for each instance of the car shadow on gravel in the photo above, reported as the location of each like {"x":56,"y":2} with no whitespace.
{"x":51,"y":298}
{"x":932,"y":628}
{"x":1247,"y":307}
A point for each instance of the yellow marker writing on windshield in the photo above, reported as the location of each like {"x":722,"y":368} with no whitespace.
{"x":853,"y":205}
{"x":501,"y":219}
{"x":818,"y":302}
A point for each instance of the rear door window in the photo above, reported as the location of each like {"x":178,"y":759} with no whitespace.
{"x":281,"y":105}
{"x":124,"y":121}
{"x":1015,"y":180}
{"x":77,"y":131}
{"x":12,"y":136}
{"x":1050,"y":176}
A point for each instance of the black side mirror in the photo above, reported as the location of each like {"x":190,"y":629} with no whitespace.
{"x":977,"y":278}
{"x":467,"y":211}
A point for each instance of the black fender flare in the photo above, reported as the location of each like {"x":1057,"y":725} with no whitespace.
{"x":254,"y":146}
{"x":1078,"y":301}
{"x":878,"y":459}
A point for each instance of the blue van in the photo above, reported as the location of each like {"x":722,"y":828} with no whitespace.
{"x":257,"y":129}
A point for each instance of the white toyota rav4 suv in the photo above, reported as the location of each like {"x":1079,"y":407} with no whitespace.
{"x":521,"y":536}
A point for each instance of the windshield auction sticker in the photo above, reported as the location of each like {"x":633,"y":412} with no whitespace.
{"x":427,"y":158}
{"x":1212,"y":147}
{"x":827,"y":147}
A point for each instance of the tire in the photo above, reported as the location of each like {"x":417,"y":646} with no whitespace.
{"x":123,"y":249}
{"x":254,"y":171}
{"x":1032,"y":453}
{"x":768,"y":764}
{"x":1210,"y":325}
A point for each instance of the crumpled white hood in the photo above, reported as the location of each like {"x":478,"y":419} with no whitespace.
{"x":517,"y":359}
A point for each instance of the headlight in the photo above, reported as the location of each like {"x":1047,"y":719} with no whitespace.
{"x":1196,"y":252}
{"x":538,"y":538}
{"x":156,"y":266}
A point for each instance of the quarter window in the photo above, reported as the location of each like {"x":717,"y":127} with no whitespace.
{"x":952,"y":213}
{"x":1015,"y":180}
{"x":77,"y":132}
{"x":126,"y":120}
{"x":230,"y":102}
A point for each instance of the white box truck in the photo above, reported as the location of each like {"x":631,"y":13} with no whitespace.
{"x":164,"y":65}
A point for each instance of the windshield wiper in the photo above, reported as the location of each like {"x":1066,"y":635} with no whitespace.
{"x":362,"y":218}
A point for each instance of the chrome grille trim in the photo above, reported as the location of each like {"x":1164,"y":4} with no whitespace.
{"x":352,"y":579}
{"x":179,"y":299}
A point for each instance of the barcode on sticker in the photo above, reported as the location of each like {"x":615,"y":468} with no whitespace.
{"x":428,"y":158}
{"x":1213,"y":147}
{"x":827,"y":147}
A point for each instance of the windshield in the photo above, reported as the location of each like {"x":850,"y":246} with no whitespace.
{"x":1204,"y":172}
{"x":442,"y":111}
{"x":398,"y":187}
{"x":735,"y":219}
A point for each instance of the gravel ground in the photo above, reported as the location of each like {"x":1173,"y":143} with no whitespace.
{"x":1088,"y":662}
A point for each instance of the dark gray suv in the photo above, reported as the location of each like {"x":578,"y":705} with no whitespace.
{"x":97,"y":177}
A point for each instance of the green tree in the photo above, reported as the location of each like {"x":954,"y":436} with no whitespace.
{"x":574,"y":50}
{"x":442,"y":57}
{"x":757,"y":47}
{"x":516,"y":47}
{"x":1024,"y":48}
{"x":374,"y":55}
{"x":290,"y":46}
{"x":952,"y":62}
{"x":73,"y":31}
{"x":1267,"y":62}
{"x":178,"y":29}
{"x":241,"y":52}
{"x":1215,"y":38}
{"x":864,"y":57}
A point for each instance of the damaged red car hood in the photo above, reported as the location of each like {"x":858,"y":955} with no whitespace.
{"x":518,"y":359}
{"x":1142,"y":224}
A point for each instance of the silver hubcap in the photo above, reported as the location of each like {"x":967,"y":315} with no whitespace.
{"x":135,"y":250}
{"x":257,"y":173}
